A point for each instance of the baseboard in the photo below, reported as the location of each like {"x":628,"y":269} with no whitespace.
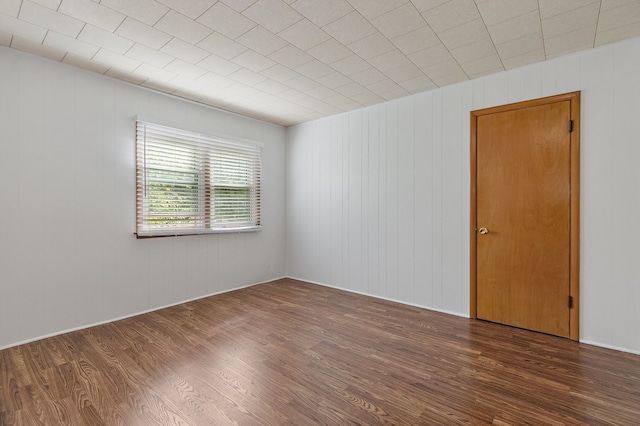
{"x":57,"y":333}
{"x":429,"y":308}
{"x":612,"y":347}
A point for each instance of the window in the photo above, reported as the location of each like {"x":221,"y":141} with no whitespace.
{"x":190,"y":183}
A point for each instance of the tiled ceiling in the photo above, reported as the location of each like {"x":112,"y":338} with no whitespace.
{"x":290,"y":61}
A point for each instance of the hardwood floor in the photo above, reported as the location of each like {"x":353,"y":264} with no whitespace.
{"x":294,"y":353}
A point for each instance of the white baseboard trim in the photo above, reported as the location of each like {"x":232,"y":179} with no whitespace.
{"x":612,"y":347}
{"x":429,"y":308}
{"x":57,"y":333}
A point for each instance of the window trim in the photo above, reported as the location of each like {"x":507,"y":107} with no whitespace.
{"x":222,"y":141}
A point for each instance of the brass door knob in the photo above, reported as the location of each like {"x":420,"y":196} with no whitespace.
{"x":483,"y":231}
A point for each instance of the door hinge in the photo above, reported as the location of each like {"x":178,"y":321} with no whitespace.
{"x":570,"y":302}
{"x":570,"y":126}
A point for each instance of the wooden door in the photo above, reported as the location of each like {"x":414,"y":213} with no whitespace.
{"x":523,"y":215}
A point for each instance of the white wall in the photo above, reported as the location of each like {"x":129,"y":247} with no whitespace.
{"x":378,"y":199}
{"x":68,"y":255}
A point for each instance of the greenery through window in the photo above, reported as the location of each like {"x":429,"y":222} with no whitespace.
{"x":190,"y":183}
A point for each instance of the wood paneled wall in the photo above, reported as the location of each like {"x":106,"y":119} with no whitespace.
{"x":377,"y":199}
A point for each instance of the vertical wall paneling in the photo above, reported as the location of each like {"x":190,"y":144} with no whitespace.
{"x":406,"y":200}
{"x":68,"y":255}
{"x":416,"y":177}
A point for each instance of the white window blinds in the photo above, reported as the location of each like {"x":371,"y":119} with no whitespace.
{"x":190,"y":183}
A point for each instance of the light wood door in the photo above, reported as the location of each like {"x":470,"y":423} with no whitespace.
{"x":523,"y":217}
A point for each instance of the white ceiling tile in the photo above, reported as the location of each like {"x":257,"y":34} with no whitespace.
{"x":222,"y":46}
{"x":261,"y":40}
{"x":371,"y":9}
{"x":301,"y":83}
{"x":271,"y":86}
{"x":225,"y":20}
{"x":304,"y":34}
{"x":185,"y":69}
{"x":191,"y":8}
{"x":22,"y":29}
{"x":290,"y":56}
{"x":416,"y":40}
{"x":482,"y":66}
{"x":350,"y":65}
{"x":37,"y":48}
{"x":399,"y":92}
{"x":529,"y":23}
{"x":520,"y":46}
{"x":471,"y":52}
{"x":219,"y":65}
{"x":253,"y":61}
{"x":187,"y":84}
{"x":404,"y":73}
{"x":385,"y":86}
{"x":51,"y":4}
{"x":418,"y":84}
{"x":374,"y":45}
{"x":247,"y":77}
{"x":213,"y":79}
{"x":569,"y":42}
{"x":142,"y":33}
{"x":274,"y":15}
{"x":399,"y":21}
{"x":612,"y":4}
{"x":390,"y":60}
{"x":447,"y":73}
{"x":617,"y":34}
{"x":70,"y":44}
{"x":124,"y":76}
{"x":367,"y":98}
{"x":467,"y":33}
{"x":99,"y":37}
{"x":182,"y":27}
{"x":321,"y":92}
{"x":496,"y":11}
{"x":586,"y":16}
{"x":438,"y":71}
{"x":338,"y":100}
{"x":330,"y":51}
{"x":366,"y":78}
{"x":10,"y":7}
{"x":349,"y":28}
{"x":185,"y":51}
{"x":549,"y":8}
{"x":154,"y":73}
{"x":621,"y":16}
{"x":451,"y":14}
{"x":524,"y":59}
{"x":147,"y":11}
{"x":424,"y":5}
{"x":238,"y":5}
{"x":87,"y":64}
{"x":280,"y":73}
{"x":151,"y":56}
{"x":314,"y":69}
{"x":430,"y":56}
{"x":160,"y":86}
{"x":92,"y":13}
{"x":353,"y":88}
{"x":50,"y":19}
{"x":334,"y":80}
{"x":119,"y":62}
{"x":5,"y":39}
{"x":324,"y":12}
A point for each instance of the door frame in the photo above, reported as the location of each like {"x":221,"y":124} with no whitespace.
{"x":574,"y":215}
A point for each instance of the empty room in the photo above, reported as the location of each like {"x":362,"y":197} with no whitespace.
{"x":300,"y":212}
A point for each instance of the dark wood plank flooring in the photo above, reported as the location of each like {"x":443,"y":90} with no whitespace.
{"x":294,"y":353}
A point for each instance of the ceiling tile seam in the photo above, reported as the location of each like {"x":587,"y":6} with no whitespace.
{"x":595,"y":33}
{"x":490,"y":38}
{"x":544,"y":44}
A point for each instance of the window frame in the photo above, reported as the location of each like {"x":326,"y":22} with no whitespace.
{"x":213,"y":155}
